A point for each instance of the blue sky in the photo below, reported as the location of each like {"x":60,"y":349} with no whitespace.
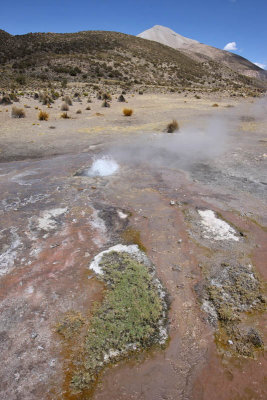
{"x":213,"y":22}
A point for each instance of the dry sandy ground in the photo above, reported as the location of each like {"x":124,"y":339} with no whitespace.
{"x":53,"y":223}
{"x":30,"y":138}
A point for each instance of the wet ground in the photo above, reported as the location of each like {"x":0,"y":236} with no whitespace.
{"x":54,"y":221}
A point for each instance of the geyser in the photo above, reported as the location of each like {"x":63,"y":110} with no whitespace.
{"x":103,"y":166}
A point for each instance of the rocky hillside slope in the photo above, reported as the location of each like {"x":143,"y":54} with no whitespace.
{"x":39,"y":59}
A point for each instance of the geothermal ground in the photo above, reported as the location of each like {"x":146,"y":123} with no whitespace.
{"x":193,"y":203}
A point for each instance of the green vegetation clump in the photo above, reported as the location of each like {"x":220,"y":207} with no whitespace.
{"x":237,"y":288}
{"x":232,"y":292}
{"x":129,"y":318}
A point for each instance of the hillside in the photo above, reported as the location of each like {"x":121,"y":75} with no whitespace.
{"x":202,"y":52}
{"x":39,"y":59}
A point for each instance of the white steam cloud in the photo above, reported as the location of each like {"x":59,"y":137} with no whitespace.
{"x":204,"y":139}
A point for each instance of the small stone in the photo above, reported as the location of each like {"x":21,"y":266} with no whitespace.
{"x":180,"y":286}
{"x":179,"y":240}
{"x":230,"y":342}
{"x":16,"y":376}
{"x":52,"y":362}
{"x":176,"y":268}
{"x":172,"y":203}
{"x":34,"y":335}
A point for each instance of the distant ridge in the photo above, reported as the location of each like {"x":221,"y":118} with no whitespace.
{"x":202,"y":52}
{"x":100,"y":58}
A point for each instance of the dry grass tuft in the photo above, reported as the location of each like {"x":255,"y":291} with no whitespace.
{"x":215,"y":105}
{"x":172,"y":126}
{"x":127,"y":112}
{"x":88,"y":108}
{"x":65,"y":115}
{"x":17,"y":112}
{"x":78,"y":111}
{"x":43,"y":115}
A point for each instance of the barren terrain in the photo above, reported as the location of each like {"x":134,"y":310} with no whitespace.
{"x":194,"y":201}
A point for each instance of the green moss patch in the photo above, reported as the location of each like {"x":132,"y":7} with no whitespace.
{"x":232,"y":292}
{"x":70,"y":324}
{"x":131,"y":317}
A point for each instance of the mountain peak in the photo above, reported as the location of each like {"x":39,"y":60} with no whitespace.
{"x":167,"y":36}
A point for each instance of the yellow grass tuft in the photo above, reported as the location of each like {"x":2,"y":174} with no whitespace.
{"x":64,"y":115}
{"x":43,"y":115}
{"x":127,"y":112}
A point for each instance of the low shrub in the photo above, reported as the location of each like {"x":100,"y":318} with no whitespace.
{"x":127,"y":112}
{"x":43,"y":115}
{"x":106,"y":96}
{"x":121,"y":99}
{"x":172,"y":126}
{"x":105,"y":104}
{"x":13,"y":97}
{"x":46,"y":100}
{"x":67,"y":100}
{"x":17,"y":112}
{"x":64,"y":107}
{"x":88,"y":108}
{"x":78,"y":111}
{"x":5,"y":100}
